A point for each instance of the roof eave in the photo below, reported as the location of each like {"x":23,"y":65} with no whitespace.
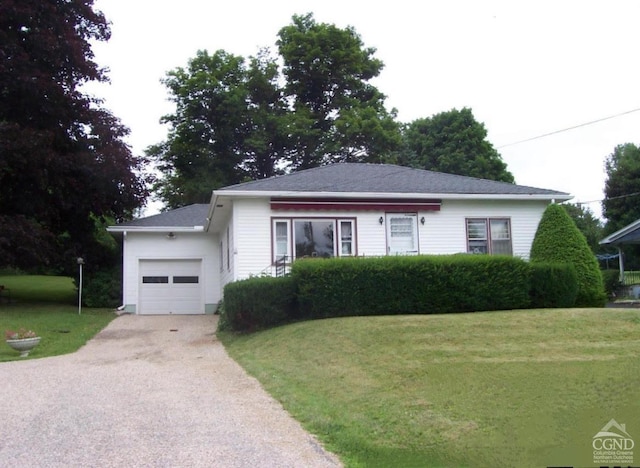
{"x":125,"y":228}
{"x":612,"y":239}
{"x":559,"y":196}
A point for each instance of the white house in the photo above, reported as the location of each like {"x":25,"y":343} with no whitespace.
{"x":179,"y":261}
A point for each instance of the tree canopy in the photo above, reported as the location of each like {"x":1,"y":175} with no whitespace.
{"x":590,"y":226}
{"x":63,"y":163}
{"x":453,"y":142}
{"x":337,"y":114}
{"x":310,"y":104}
{"x":621,"y":205}
{"x":238,"y":119}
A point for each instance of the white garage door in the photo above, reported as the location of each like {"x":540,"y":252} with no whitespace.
{"x":171,"y":287}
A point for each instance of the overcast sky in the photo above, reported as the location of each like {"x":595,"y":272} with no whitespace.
{"x":525,"y":68}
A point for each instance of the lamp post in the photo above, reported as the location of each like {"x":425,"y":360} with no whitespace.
{"x":80,"y":263}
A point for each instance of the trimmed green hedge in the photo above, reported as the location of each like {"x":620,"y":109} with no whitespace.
{"x":553,"y":285}
{"x":410,"y":285}
{"x":259,"y":302}
{"x":323,"y":288}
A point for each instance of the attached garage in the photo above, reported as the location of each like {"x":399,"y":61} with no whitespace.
{"x":170,"y":287}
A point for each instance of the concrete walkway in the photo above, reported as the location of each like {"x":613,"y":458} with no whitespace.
{"x":147,"y":391}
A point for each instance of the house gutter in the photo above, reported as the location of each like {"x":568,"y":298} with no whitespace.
{"x":125,"y":229}
{"x":558,"y":196}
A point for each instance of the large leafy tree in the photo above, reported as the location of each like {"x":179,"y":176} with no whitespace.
{"x":228,"y":126}
{"x":203,"y":150}
{"x":239,"y":119}
{"x":453,"y":142}
{"x":338,"y":115}
{"x":63,"y":163}
{"x":265,"y":147}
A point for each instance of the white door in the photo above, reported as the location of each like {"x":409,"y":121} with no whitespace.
{"x":402,"y":233}
{"x":170,"y":287}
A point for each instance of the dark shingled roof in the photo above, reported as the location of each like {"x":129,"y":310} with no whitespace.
{"x":383,"y":178}
{"x":187,"y":216}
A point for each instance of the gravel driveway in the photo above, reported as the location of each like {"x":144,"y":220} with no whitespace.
{"x":147,"y":391}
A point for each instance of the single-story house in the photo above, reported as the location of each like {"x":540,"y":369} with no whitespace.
{"x":178,"y":262}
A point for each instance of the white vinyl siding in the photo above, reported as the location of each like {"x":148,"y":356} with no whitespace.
{"x":253,"y":243}
{"x":252,"y":228}
{"x":445,"y":232}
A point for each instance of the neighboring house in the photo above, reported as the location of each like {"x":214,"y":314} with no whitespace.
{"x":179,"y":261}
{"x":630,"y":234}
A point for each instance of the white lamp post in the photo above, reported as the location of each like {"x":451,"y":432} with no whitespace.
{"x":80,"y":263}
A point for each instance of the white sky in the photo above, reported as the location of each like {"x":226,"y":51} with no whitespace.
{"x":525,"y":68}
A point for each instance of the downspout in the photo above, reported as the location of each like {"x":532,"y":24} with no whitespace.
{"x":124,"y":276}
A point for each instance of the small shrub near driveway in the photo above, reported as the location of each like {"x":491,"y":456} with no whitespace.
{"x":259,"y":302}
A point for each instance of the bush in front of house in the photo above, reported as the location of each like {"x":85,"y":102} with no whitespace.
{"x":259,"y":302}
{"x":553,"y":285}
{"x":558,"y":240}
{"x":410,"y":285}
{"x":102,"y":288}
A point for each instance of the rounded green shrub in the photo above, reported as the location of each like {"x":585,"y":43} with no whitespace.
{"x":558,"y":240}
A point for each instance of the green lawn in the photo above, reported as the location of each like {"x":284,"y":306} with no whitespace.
{"x":45,"y":304}
{"x":521,"y":388}
{"x":40,"y":288}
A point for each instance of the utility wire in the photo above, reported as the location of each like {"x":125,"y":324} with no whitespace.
{"x":610,"y":198}
{"x":569,"y":128}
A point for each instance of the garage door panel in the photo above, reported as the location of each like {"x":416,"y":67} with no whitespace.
{"x":171,"y":287}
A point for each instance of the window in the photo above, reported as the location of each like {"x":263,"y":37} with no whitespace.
{"x":489,"y":236}
{"x":155,"y":279}
{"x":319,"y":237}
{"x":313,"y":238}
{"x":346,"y":238}
{"x":281,"y":239}
{"x":185,"y":280}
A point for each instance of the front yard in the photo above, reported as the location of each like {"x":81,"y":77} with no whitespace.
{"x":516,"y":388}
